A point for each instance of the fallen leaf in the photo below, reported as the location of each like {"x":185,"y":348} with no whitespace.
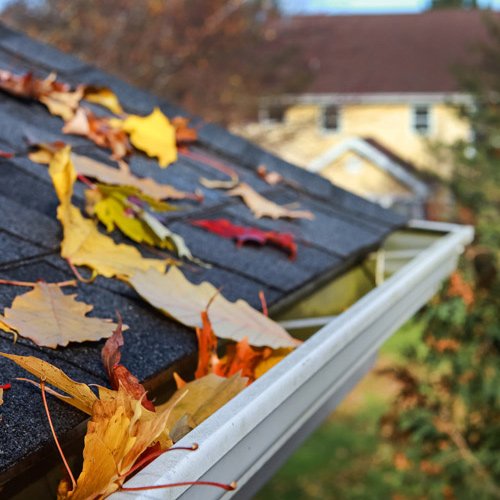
{"x":50,"y":318}
{"x":173,"y":294}
{"x":80,"y":395}
{"x":104,"y":97}
{"x":261,"y":207}
{"x":154,"y":135}
{"x":83,"y":244}
{"x":213,"y":184}
{"x":183,"y":134}
{"x":243,"y":234}
{"x":117,"y":373}
{"x":106,"y":174}
{"x":125,"y":208}
{"x":120,"y":431}
{"x":3,"y":387}
{"x":271,"y":178}
{"x":100,"y":130}
{"x":205,"y":159}
{"x":200,"y":399}
{"x":268,"y":362}
{"x":207,"y":348}
{"x":57,"y":96}
{"x":240,"y":358}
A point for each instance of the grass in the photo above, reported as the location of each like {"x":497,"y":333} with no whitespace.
{"x":346,"y":458}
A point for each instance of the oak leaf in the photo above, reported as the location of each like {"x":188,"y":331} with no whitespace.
{"x":154,"y":135}
{"x":173,"y":294}
{"x":50,"y":318}
{"x":197,"y":400}
{"x":261,"y":207}
{"x":243,"y":234}
{"x":83,"y":244}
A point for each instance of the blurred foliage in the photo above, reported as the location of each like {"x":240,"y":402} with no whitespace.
{"x":213,"y":57}
{"x":453,"y":4}
{"x":445,"y":421}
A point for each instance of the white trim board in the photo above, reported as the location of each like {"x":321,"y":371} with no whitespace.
{"x":372,"y":154}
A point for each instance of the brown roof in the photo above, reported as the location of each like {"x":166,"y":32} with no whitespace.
{"x":385,"y":53}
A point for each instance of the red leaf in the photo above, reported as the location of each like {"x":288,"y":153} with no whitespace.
{"x":117,"y":373}
{"x":243,"y":234}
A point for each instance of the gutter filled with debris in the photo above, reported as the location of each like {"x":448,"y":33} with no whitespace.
{"x":250,"y":437}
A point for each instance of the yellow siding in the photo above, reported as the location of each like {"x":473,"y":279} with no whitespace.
{"x":300,"y":139}
{"x":355,"y":173}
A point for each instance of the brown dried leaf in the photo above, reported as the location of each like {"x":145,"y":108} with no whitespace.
{"x":173,"y":294}
{"x":265,"y":208}
{"x":101,"y":130}
{"x":50,"y":318}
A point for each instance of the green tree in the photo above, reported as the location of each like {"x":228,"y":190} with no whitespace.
{"x":446,"y":420}
{"x":453,"y":4}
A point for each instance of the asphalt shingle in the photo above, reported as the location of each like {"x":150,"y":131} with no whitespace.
{"x":344,"y":229}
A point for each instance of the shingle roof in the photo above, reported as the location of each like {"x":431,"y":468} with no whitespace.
{"x":345,"y":228}
{"x":385,"y":53}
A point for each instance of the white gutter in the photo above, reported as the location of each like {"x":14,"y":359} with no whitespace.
{"x":249,"y":437}
{"x":326,"y":99}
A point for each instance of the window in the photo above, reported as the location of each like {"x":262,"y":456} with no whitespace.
{"x":422,"y":120}
{"x":330,"y":119}
{"x":274,"y":114}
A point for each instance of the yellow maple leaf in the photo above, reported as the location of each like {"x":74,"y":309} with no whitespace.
{"x":180,"y":299}
{"x":154,"y":135}
{"x":83,"y":244}
{"x":50,"y":318}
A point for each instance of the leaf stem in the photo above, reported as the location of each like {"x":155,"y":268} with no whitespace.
{"x":44,"y":397}
{"x":228,"y":487}
{"x":263,"y":302}
{"x":79,"y":276}
{"x":27,"y":283}
{"x":154,"y":455}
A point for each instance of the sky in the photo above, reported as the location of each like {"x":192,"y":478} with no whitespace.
{"x":363,"y":6}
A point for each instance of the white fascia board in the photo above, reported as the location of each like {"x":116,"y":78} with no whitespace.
{"x":452,"y":98}
{"x":238,"y":442}
{"x":371,"y":153}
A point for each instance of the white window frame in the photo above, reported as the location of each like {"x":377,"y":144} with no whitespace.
{"x":430,"y":120}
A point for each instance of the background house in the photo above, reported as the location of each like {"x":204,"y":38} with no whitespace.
{"x":387,"y":77}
